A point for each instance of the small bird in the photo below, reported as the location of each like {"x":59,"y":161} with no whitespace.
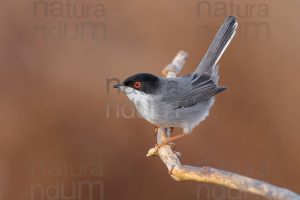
{"x":183,"y":101}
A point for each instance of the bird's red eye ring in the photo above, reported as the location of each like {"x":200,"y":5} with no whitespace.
{"x":137,"y":85}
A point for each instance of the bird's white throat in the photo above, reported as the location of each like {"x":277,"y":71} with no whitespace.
{"x":142,"y":101}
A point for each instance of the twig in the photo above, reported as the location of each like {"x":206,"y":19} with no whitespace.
{"x":207,"y":174}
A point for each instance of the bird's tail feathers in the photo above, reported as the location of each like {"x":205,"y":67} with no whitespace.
{"x":217,"y":47}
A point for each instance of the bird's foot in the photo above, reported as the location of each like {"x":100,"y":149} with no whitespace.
{"x":169,"y":141}
{"x":171,"y":144}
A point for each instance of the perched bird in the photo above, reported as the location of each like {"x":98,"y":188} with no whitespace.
{"x":184,"y":101}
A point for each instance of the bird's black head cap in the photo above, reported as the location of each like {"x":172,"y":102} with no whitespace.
{"x":147,"y":83}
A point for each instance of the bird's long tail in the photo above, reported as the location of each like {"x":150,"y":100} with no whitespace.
{"x":222,"y":39}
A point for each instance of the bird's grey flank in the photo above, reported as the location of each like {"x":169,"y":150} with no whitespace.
{"x":184,"y":101}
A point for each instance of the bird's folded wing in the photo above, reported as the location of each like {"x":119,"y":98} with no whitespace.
{"x":192,"y":90}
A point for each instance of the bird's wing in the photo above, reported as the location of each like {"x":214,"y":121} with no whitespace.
{"x":218,"y":46}
{"x":191,"y":90}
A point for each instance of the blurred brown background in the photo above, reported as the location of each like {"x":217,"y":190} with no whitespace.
{"x":58,"y":117}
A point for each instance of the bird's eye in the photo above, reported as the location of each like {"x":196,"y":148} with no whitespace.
{"x":137,"y":85}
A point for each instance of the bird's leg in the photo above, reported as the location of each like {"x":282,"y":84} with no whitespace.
{"x":156,"y":130}
{"x":157,"y":127}
{"x":170,"y":139}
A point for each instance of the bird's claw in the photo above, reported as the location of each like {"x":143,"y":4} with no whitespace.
{"x":171,"y":144}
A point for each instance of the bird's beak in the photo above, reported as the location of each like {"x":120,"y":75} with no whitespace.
{"x":118,"y":85}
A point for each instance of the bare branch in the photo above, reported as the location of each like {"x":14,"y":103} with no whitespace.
{"x":207,"y":174}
